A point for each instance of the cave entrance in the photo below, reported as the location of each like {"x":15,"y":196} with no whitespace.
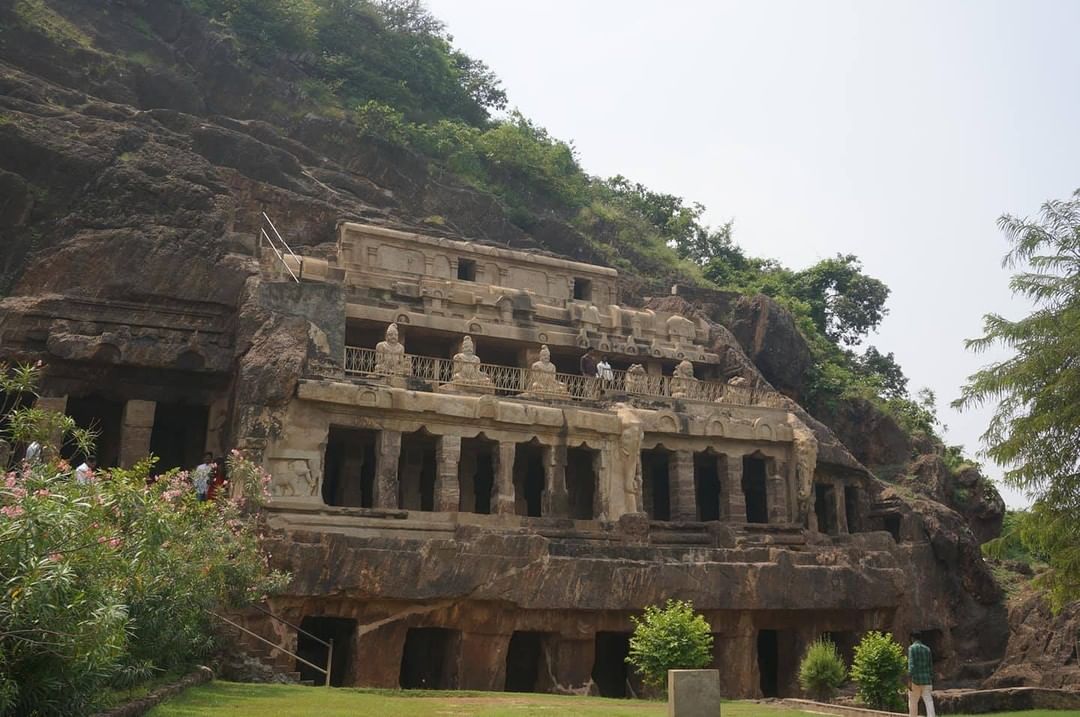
{"x":768,"y":660}
{"x":851,"y":508}
{"x":656,"y":483}
{"x":609,"y":671}
{"x":349,"y":468}
{"x":527,"y":668}
{"x":707,"y":484}
{"x":476,"y":474}
{"x":754,"y":489}
{"x":178,"y":437}
{"x":529,"y":478}
{"x":416,"y":471}
{"x":339,"y":629}
{"x":581,"y":482}
{"x":893,"y":523}
{"x":825,"y":508}
{"x":845,"y":642}
{"x":429,"y":660}
{"x":105,"y":418}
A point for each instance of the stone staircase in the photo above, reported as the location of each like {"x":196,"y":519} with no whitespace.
{"x":252,"y":658}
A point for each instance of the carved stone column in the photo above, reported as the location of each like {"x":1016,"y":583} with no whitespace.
{"x":502,"y":502}
{"x":135,"y":430}
{"x":777,"y":495}
{"x":387,"y":454}
{"x":681,"y":477}
{"x":554,"y":503}
{"x":447,"y":489}
{"x":731,"y":491}
{"x":841,"y":509}
{"x":483,"y":661}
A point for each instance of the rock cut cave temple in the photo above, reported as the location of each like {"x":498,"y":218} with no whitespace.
{"x":472,"y":512}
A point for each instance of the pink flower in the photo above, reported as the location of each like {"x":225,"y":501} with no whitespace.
{"x":42,"y":493}
{"x":101,"y":539}
{"x":12,"y":511}
{"x":9,"y":480}
{"x":55,"y":557}
{"x":114,"y":543}
{"x":18,"y":493}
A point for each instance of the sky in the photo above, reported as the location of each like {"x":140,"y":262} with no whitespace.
{"x":896,"y":131}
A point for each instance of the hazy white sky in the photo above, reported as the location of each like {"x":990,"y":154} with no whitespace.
{"x":897,"y":131}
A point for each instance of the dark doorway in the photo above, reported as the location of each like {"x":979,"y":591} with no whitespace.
{"x":609,"y":671}
{"x":338,"y":629}
{"x":707,"y":485}
{"x":581,"y":482}
{"x":825,"y":508}
{"x":754,"y":488}
{"x":102,"y":416}
{"x":892,"y":523}
{"x":416,"y":471}
{"x":845,"y":642}
{"x":656,"y":483}
{"x":526,"y":662}
{"x":768,"y":660}
{"x":429,"y":660}
{"x":476,"y":475}
{"x":851,"y":508}
{"x":178,"y":438}
{"x":349,"y":468}
{"x":528,"y":478}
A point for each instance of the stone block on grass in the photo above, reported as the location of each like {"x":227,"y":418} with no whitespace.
{"x":693,"y":693}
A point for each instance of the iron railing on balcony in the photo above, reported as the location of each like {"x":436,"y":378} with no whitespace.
{"x":513,"y":380}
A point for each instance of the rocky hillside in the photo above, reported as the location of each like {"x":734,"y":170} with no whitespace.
{"x":139,"y":144}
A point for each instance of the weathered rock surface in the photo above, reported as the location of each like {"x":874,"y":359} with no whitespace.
{"x":1043,"y":649}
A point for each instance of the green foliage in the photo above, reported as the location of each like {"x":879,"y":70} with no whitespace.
{"x":107,"y":583}
{"x":669,"y":638}
{"x":42,"y":18}
{"x":822,"y":669}
{"x":878,"y":670}
{"x":1035,"y":430}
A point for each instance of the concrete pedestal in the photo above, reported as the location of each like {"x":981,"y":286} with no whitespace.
{"x":693,"y":693}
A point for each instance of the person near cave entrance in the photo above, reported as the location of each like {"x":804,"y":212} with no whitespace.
{"x":202,"y":475}
{"x":921,"y":675}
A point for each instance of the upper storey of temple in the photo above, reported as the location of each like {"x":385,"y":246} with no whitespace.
{"x":513,"y":297}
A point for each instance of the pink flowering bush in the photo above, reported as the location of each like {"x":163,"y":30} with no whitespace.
{"x":106,"y":583}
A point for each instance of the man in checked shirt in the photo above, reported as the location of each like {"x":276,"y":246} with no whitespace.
{"x":921,"y":672}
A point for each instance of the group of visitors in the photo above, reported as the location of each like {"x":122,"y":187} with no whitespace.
{"x":208,"y":477}
{"x":592,"y":368}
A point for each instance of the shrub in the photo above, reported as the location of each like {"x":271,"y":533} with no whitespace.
{"x":878,"y":670}
{"x":669,"y":638}
{"x":109,"y":582}
{"x":822,"y":669}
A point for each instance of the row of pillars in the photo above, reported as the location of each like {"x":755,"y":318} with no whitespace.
{"x":682,"y":481}
{"x":447,"y":487}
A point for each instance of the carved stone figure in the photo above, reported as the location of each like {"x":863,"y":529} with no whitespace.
{"x":805,"y":447}
{"x":738,"y":381}
{"x":683,"y":383}
{"x":630,"y":455}
{"x":636,"y":379}
{"x":390,"y":358}
{"x":467,"y":375}
{"x":542,"y":378}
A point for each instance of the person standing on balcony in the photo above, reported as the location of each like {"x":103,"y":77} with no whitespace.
{"x":604,"y":372}
{"x":588,"y":364}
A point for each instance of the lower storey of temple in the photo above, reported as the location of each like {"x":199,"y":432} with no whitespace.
{"x":480,"y":645}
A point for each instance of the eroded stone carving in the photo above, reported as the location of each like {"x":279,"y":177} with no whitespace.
{"x":542,"y":379}
{"x":805,"y":450}
{"x":636,"y":379}
{"x":629,"y":468}
{"x":683,"y":383}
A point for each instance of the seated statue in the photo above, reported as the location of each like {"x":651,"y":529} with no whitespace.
{"x":542,"y":378}
{"x":390,"y":359}
{"x":467,"y":374}
{"x":683,"y":383}
{"x":636,"y":379}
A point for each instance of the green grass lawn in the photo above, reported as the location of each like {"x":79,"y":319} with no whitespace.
{"x":241,"y":700}
{"x":237,"y":700}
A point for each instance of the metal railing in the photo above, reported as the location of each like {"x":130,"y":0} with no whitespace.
{"x":281,"y":247}
{"x":513,"y":380}
{"x":325,"y":671}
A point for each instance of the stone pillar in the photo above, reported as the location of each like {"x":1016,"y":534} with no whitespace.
{"x":483,"y":662}
{"x":387,"y":454}
{"x":503,"y":500}
{"x":447,"y":489}
{"x":135,"y":429}
{"x":681,"y":484}
{"x":217,"y":421}
{"x":841,"y":509}
{"x":573,"y":663}
{"x":555,"y":501}
{"x":55,"y":404}
{"x":378,"y":656}
{"x":731,"y":489}
{"x":776,"y":495}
